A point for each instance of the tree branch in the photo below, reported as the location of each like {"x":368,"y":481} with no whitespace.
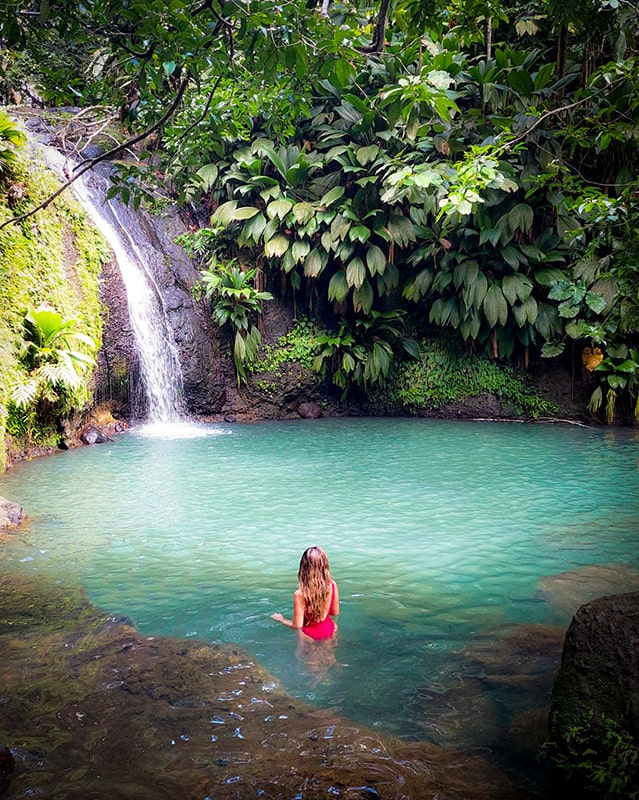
{"x":87,"y":165}
{"x":204,"y":111}
{"x":377,"y":45}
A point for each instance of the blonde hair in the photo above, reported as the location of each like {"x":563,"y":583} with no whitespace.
{"x":314,"y":579}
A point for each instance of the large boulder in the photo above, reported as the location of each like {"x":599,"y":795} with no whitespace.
{"x":7,"y":765}
{"x":11,"y":514}
{"x":594,"y":714}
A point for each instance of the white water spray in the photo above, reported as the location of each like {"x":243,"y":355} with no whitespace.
{"x":159,"y":360}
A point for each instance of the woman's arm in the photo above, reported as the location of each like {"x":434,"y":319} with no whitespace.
{"x":334,"y":609}
{"x":298,"y":613}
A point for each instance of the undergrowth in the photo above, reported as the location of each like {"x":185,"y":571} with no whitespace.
{"x":445,"y":373}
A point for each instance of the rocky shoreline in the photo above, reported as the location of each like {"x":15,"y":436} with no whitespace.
{"x":91,"y":708}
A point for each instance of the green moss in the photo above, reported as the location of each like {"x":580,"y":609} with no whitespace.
{"x":298,"y":346}
{"x":54,"y":257}
{"x":445,"y":373}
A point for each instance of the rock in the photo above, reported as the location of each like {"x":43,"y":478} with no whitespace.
{"x":594,"y":713}
{"x":310,"y":410}
{"x":11,"y":514}
{"x":93,"y":435}
{"x":173,"y":274}
{"x":6,"y":768}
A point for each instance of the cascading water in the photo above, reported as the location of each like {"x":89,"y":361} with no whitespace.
{"x":159,"y":360}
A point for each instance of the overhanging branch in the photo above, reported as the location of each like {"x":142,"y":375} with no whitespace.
{"x":87,"y":165}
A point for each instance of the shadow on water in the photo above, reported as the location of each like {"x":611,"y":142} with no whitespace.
{"x":92,"y":709}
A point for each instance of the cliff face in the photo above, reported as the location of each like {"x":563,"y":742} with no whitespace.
{"x":173,"y":274}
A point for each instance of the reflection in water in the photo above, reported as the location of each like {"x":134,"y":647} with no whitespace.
{"x":316,"y":658}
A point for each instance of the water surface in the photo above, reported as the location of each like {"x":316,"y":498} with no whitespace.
{"x":444,"y":538}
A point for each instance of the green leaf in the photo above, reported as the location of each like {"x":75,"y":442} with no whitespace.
{"x":549,"y":276}
{"x":356,"y":273}
{"x":375,"y":260}
{"x":23,"y":394}
{"x":491,"y":235}
{"x":359,"y":233}
{"x":552,"y":349}
{"x":313,"y":264}
{"x":278,"y":208}
{"x":510,"y":255}
{"x":342,"y":71}
{"x":252,"y":230}
{"x":596,"y":302}
{"x":332,"y":196}
{"x":465,"y":272}
{"x":303,"y":212}
{"x":516,"y":287}
{"x":439,"y":78}
{"x":519,"y":313}
{"x":363,"y":298}
{"x":276,"y":246}
{"x":626,"y":366}
{"x":300,"y":249}
{"x":495,"y":306}
{"x":246,"y":212}
{"x":522,"y":82}
{"x":531,"y":308}
{"x":419,"y":286}
{"x":547,"y":322}
{"x":365,"y":155}
{"x":208,"y":175}
{"x":521,"y":216}
{"x":567,"y":310}
{"x":481,"y":288}
{"x":401,"y":229}
{"x":223,"y":214}
{"x":338,"y":288}
{"x":339,"y":228}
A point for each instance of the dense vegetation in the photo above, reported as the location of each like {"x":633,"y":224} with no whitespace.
{"x":50,"y":315}
{"x":396,"y":171}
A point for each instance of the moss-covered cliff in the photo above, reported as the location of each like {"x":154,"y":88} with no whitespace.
{"x":53,"y":257}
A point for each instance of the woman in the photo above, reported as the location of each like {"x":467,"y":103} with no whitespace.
{"x":316,"y":599}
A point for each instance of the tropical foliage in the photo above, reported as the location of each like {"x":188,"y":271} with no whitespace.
{"x":467,"y":168}
{"x":10,"y":137}
{"x":51,"y":358}
{"x":235,"y":302}
{"x":54,"y":261}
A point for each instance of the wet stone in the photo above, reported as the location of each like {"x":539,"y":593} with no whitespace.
{"x":11,"y":514}
{"x":112,"y":713}
{"x":7,"y":765}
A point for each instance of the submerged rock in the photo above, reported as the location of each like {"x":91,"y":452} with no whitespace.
{"x":11,"y":514}
{"x":310,"y":410}
{"x":566,"y":591}
{"x":187,"y":719}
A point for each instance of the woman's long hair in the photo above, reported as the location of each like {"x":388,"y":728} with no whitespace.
{"x":314,"y":580}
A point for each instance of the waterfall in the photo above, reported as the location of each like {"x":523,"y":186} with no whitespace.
{"x":159,"y":359}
